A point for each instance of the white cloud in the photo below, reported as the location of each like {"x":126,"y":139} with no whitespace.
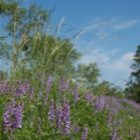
{"x":128,"y":56}
{"x":96,"y":55}
{"x":121,"y":64}
{"x":117,"y":66}
{"x":126,"y":24}
{"x":107,"y":62}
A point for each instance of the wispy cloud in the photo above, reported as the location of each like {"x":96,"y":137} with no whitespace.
{"x":95,"y":55}
{"x":115,"y":70}
{"x":91,"y":27}
{"x":112,"y":62}
{"x":126,"y":24}
{"x":99,"y":24}
{"x":108,"y":64}
{"x":128,"y":56}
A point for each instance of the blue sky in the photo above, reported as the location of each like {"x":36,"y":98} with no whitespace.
{"x":111,"y":32}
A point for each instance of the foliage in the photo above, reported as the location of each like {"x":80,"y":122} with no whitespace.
{"x":32,"y":47}
{"x":46,"y":110}
{"x":108,"y":89}
{"x":46,"y":97}
{"x":133,"y":86}
{"x":87,"y":75}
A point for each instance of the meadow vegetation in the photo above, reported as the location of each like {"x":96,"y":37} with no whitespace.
{"x":45,"y":96}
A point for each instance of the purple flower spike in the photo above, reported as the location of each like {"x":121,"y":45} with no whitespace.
{"x":51,"y":114}
{"x":58,"y":119}
{"x":89,"y":97}
{"x":63,"y":119}
{"x":63,"y":85}
{"x":4,"y":87}
{"x":67,"y":125}
{"x":100,"y":104}
{"x":66,"y":118}
{"x":113,"y":136}
{"x":12,"y":116}
{"x":84,"y":136}
{"x":7,"y":122}
{"x":22,"y":90}
{"x":18,"y":117}
{"x":77,"y":129}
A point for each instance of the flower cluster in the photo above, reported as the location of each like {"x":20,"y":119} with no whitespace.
{"x":84,"y":136}
{"x":51,"y":114}
{"x":12,"y":117}
{"x":63,"y":85}
{"x":89,"y":97}
{"x":100,"y":104}
{"x":4,"y":87}
{"x":63,"y":119}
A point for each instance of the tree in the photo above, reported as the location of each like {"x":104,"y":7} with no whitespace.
{"x":133,"y":85}
{"x":32,"y":47}
{"x":108,"y":89}
{"x":87,"y":75}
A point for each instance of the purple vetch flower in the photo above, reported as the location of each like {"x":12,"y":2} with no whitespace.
{"x":67,"y":124}
{"x":132,"y":103}
{"x":77,"y":129}
{"x":62,"y":85}
{"x":84,"y":135}
{"x":100,"y":104}
{"x":12,"y":103}
{"x":113,"y":136}
{"x":58,"y":118}
{"x":18,"y":82}
{"x":63,"y":119}
{"x":18,"y":113}
{"x":49,"y":83}
{"x":7,"y":122}
{"x":117,"y":105}
{"x":51,"y":113}
{"x":66,"y":118}
{"x":89,"y":97}
{"x":22,"y":90}
{"x":4,"y":87}
{"x":12,"y":117}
